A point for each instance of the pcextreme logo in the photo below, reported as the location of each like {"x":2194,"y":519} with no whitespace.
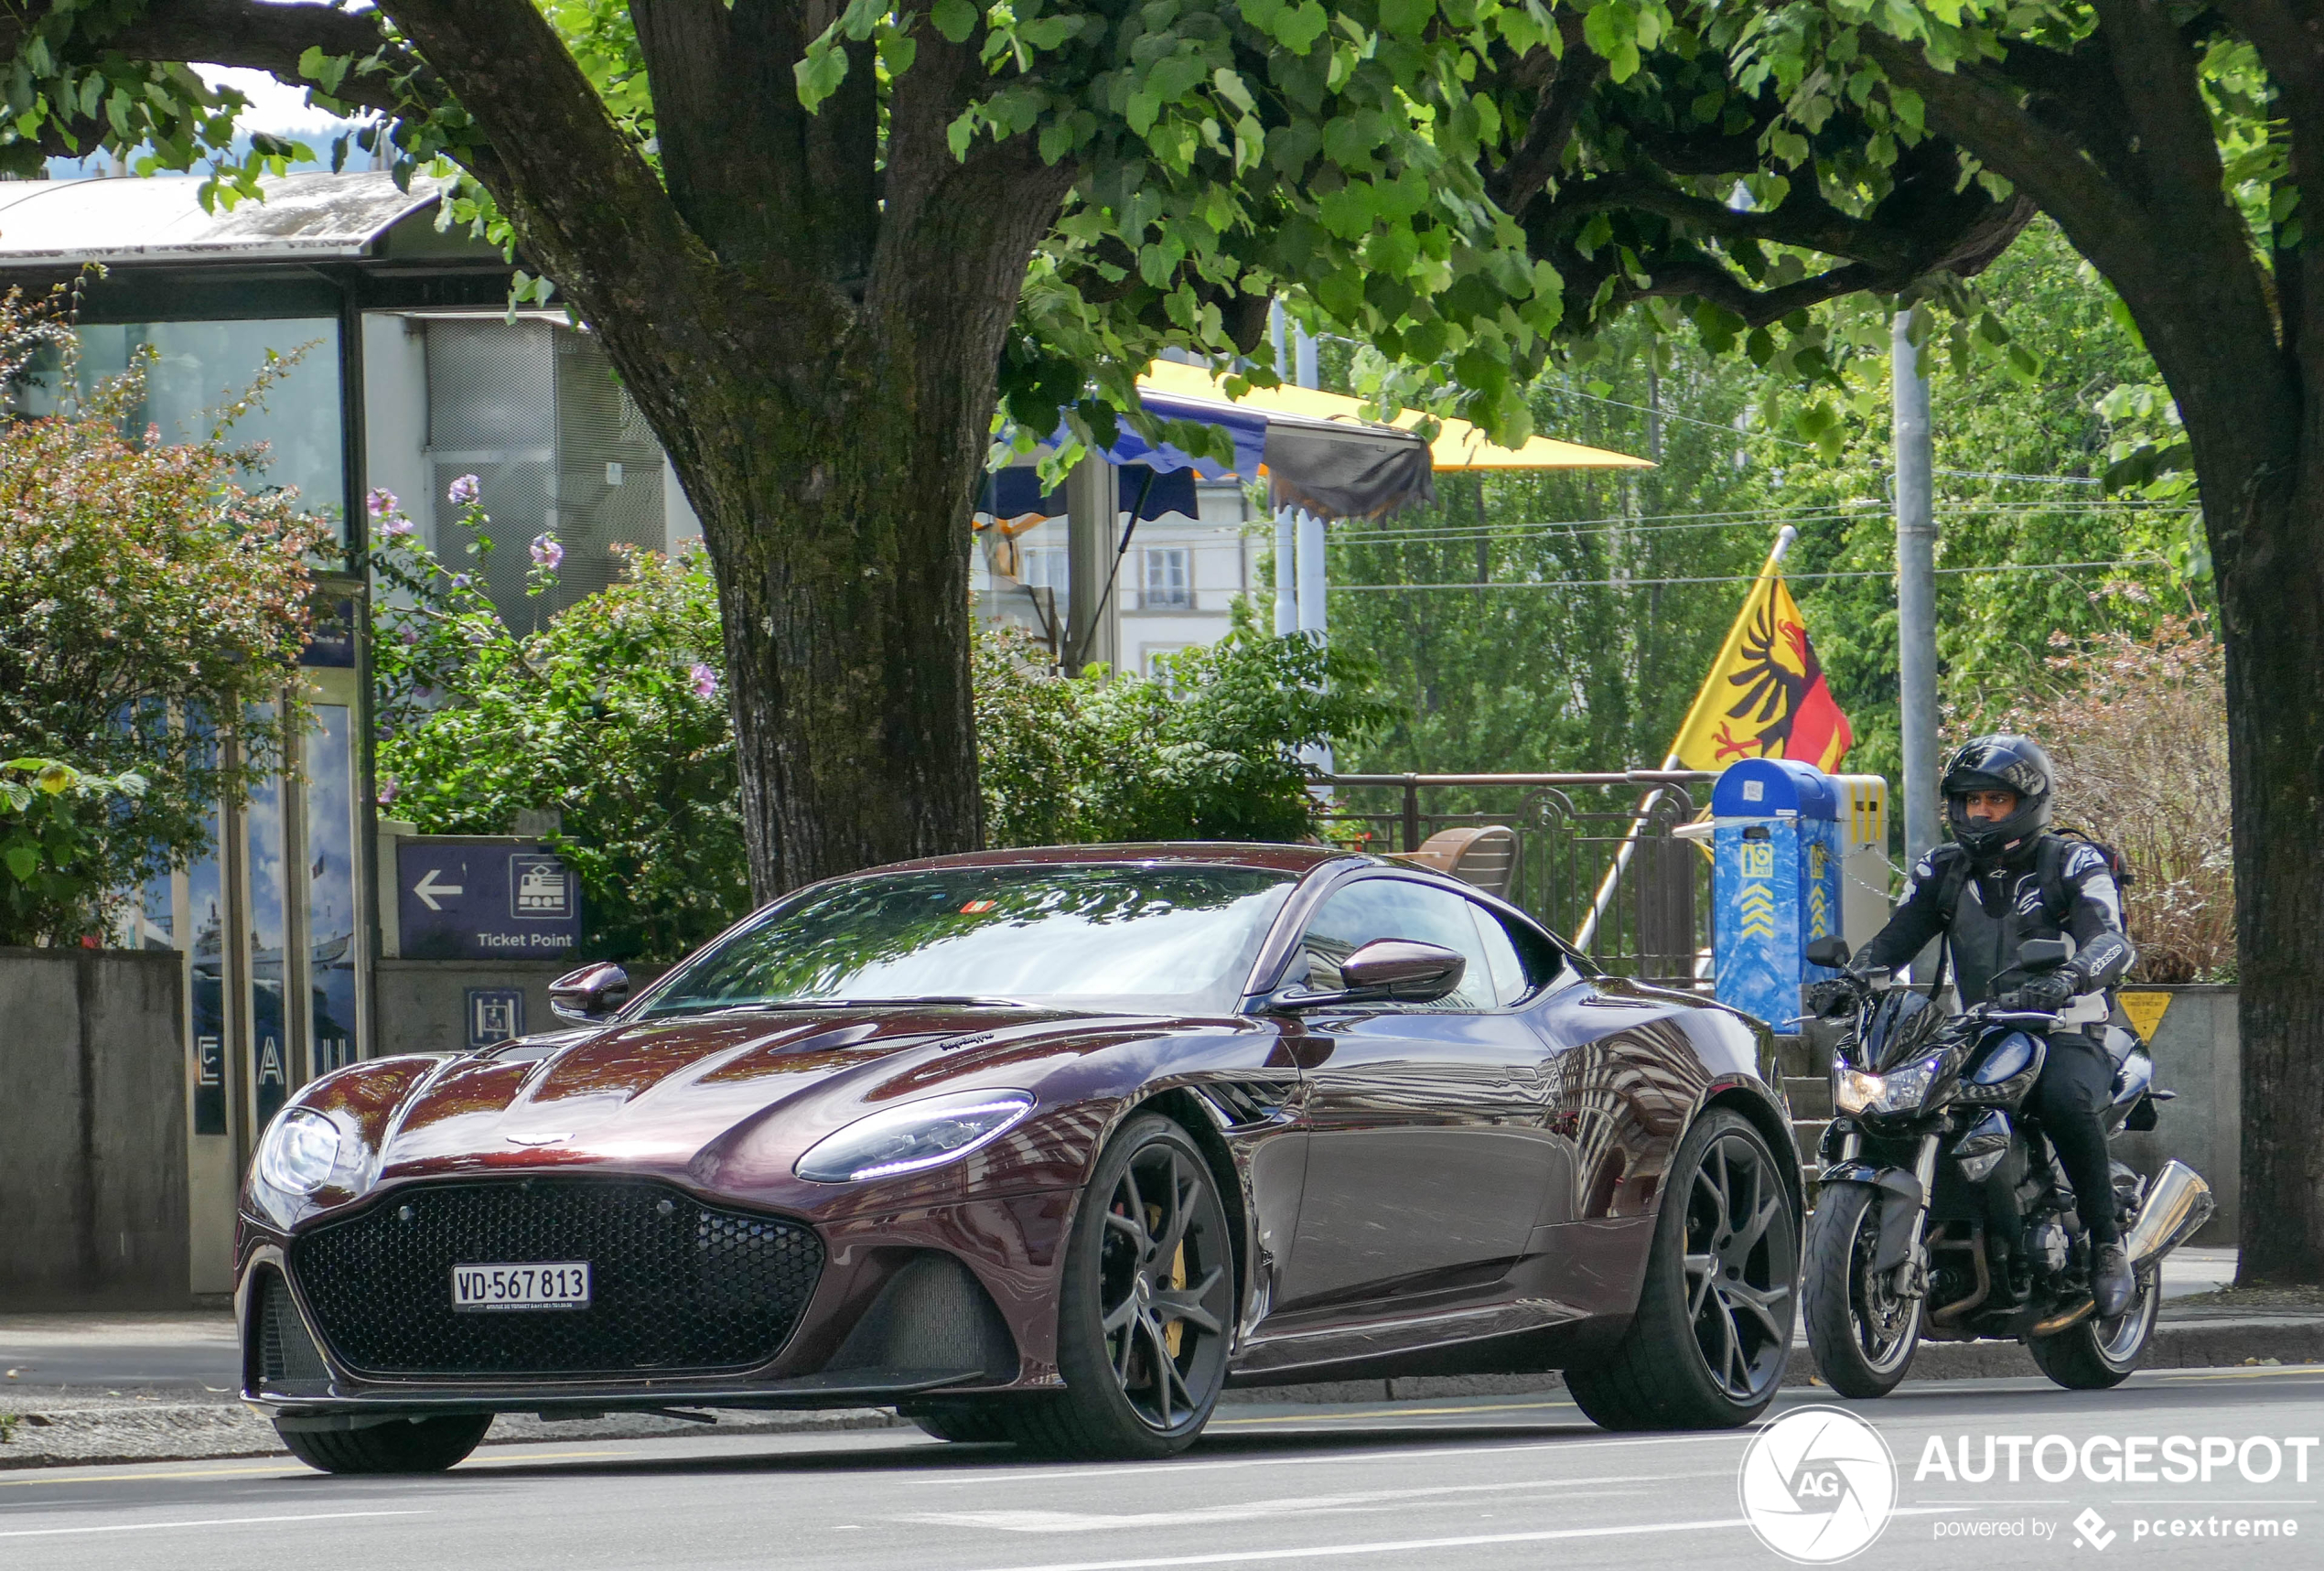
{"x":1817,"y":1485}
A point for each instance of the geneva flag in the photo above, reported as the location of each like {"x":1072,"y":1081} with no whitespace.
{"x":1766,"y":696}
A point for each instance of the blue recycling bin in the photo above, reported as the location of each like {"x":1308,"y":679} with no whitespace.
{"x":1775,"y":882}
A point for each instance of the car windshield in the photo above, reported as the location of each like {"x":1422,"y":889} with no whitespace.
{"x":1167,"y":937}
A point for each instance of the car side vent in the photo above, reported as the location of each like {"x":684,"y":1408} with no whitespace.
{"x":288,"y":1360}
{"x":1249,"y":1102}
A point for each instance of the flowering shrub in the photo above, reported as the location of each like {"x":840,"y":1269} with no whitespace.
{"x":143,"y":591}
{"x":2137,"y":728}
{"x":611,"y":716}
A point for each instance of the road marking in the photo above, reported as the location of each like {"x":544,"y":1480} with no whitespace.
{"x":208,"y":1521}
{"x":1393,"y":1413}
{"x":2239,"y":1373}
{"x":1471,"y":1540}
{"x":286,"y":1467}
{"x":1370,"y":1500}
{"x":1167,"y":1469}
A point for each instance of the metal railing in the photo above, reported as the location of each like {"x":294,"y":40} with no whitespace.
{"x":1656,"y":921}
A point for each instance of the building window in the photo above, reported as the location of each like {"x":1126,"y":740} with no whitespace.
{"x":1044,"y":568}
{"x":1169,"y":579}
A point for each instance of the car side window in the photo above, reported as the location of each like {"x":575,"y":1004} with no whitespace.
{"x":1511,"y":983}
{"x":1373,"y":908}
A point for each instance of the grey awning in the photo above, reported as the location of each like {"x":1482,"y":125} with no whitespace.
{"x":305,"y":217}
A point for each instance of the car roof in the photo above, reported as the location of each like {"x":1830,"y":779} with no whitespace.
{"x":1269,"y":857}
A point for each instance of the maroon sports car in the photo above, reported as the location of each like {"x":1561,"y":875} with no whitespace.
{"x":1046,"y":1146}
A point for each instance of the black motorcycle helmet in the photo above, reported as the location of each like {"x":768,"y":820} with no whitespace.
{"x":2001,"y":762}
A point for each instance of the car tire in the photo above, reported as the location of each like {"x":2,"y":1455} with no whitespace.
{"x":2094,"y":1354}
{"x":964,"y":1422}
{"x":1712,"y":1337}
{"x":1151,"y":1215}
{"x":412,"y":1446}
{"x":1839,"y":1302}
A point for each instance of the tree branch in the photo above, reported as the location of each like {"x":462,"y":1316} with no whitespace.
{"x":1572,"y":78}
{"x":268,"y":37}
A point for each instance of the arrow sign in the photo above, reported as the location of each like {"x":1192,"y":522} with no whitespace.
{"x":427,"y":889}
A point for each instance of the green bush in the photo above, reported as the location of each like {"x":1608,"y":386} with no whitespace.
{"x":614,"y":716}
{"x":55,"y":823}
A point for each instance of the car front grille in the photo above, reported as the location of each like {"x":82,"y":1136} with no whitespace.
{"x":676,"y":1285}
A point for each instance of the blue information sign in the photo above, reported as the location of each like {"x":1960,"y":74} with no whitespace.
{"x":476,"y":899}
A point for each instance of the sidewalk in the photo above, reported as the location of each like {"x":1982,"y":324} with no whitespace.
{"x":96,"y":1388}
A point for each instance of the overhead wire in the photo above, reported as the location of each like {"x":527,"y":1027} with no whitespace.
{"x":1748,"y":577}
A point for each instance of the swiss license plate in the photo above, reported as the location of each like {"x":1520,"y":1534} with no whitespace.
{"x":543,"y":1284}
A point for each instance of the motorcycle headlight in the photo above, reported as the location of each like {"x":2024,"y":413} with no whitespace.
{"x":1899,"y":1091}
{"x":299,"y":1151}
{"x":915,"y":1135}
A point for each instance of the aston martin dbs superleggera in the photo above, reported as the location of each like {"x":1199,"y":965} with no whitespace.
{"x":1044,"y":1146}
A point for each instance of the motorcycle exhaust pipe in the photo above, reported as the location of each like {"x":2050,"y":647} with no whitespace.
{"x":2177,"y":1203}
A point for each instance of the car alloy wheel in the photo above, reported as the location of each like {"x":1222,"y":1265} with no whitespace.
{"x":1712,"y":1336}
{"x":1147,"y":1303}
{"x":1739,"y":1267}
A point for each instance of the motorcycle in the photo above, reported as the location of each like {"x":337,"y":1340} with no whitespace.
{"x":1944,"y":1214}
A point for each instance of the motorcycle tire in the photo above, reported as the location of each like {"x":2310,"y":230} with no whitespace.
{"x":1842,"y":1233}
{"x":2094,"y":1354}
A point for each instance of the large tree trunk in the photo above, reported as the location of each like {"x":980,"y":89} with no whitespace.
{"x":811,"y":315}
{"x":2269,"y":595}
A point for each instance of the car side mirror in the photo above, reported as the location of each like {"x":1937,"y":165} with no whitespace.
{"x":1831,"y":952}
{"x":2041,"y":953}
{"x":1403,"y":969}
{"x":593,"y":993}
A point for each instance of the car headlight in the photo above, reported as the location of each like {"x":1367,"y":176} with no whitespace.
{"x":915,"y":1135}
{"x":1899,"y":1091}
{"x":299,"y":1152}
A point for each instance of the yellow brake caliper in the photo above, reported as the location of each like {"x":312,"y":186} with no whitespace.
{"x":1175,"y":1332}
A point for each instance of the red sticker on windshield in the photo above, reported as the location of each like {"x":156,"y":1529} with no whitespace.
{"x":976,"y":907}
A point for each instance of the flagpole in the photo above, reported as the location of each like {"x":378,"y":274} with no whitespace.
{"x":1613,"y":879}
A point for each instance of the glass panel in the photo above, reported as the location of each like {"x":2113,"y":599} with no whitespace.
{"x":206,"y":914}
{"x":206,"y":365}
{"x":269,"y":1038}
{"x":1175,"y":938}
{"x":330,"y":886}
{"x":1509,"y":981}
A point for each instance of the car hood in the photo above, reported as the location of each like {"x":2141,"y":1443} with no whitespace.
{"x":727,"y":1101}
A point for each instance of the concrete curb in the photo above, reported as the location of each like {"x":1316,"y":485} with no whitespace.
{"x":78,"y":1433}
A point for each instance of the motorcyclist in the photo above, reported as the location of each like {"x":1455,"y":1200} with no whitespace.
{"x":2005,"y":878}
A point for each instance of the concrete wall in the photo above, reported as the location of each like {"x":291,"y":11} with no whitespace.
{"x":92,"y":1130}
{"x":425,"y":1004}
{"x":2199,"y":1054}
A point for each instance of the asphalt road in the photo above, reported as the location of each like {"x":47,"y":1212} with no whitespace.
{"x":1488,"y":1483}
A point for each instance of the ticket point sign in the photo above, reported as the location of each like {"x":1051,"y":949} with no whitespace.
{"x":484,"y":899}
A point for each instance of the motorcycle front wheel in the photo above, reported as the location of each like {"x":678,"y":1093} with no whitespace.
{"x":1862,"y":1334}
{"x":2093,"y":1355}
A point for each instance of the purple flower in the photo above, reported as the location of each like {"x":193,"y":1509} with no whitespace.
{"x":464,"y":491}
{"x":394,"y":528}
{"x":705,"y":681}
{"x":387,"y":790}
{"x":460,"y":580}
{"x":547,"y":553}
{"x":382,"y":503}
{"x":409,"y":635}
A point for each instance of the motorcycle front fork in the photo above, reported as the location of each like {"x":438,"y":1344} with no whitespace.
{"x":1911,"y":1281}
